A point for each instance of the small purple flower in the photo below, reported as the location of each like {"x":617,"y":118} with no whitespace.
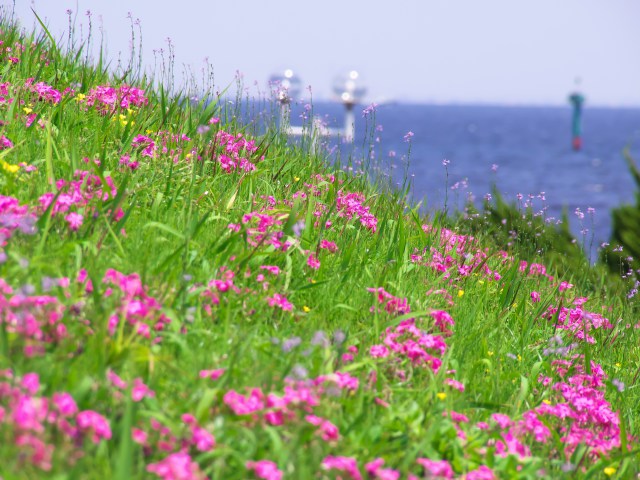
{"x":291,"y":343}
{"x":407,"y":137}
{"x":202,"y":129}
{"x":618,"y":384}
{"x":320,"y":339}
{"x":339,"y":337}
{"x":298,"y":227}
{"x":370,"y":109}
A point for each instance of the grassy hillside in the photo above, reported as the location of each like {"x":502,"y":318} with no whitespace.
{"x":181,"y":297}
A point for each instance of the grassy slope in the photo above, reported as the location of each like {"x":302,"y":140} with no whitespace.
{"x":175,"y":235}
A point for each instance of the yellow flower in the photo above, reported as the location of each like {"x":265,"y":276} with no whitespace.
{"x":519,"y":358}
{"x":609,"y":471}
{"x":306,"y":309}
{"x":618,"y":365}
{"x":27,"y":110}
{"x":460,"y":293}
{"x":80,"y":97}
{"x":548,"y":402}
{"x":10,"y":168}
{"x":441,"y":395}
{"x":490,"y":353}
{"x":296,"y":179}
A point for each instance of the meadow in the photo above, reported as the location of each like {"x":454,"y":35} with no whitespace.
{"x":184,"y":295}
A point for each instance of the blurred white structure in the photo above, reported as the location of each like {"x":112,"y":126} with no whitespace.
{"x":287,"y":87}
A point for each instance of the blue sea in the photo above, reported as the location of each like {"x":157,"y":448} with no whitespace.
{"x":522,"y":150}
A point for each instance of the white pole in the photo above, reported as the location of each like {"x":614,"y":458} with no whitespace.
{"x":349,"y":123}
{"x":285,"y":113}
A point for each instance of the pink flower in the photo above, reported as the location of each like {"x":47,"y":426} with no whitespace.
{"x":202,"y":439}
{"x":177,"y":466}
{"x":265,"y":469}
{"x":275,"y":270}
{"x":443,"y":321}
{"x":139,"y":436}
{"x":93,"y":422}
{"x":379,"y":351}
{"x":564,"y":286}
{"x":481,"y":473}
{"x":348,"y":465}
{"x":116,"y":380}
{"x":242,"y":405}
{"x":535,"y":297}
{"x":212,"y":374}
{"x":501,"y":419}
{"x":454,"y":384}
{"x":327,"y":245}
{"x":31,"y":383}
{"x":313,"y":262}
{"x":140,"y":390}
{"x":436,"y":468}
{"x":5,"y":142}
{"x":328,"y":430}
{"x":65,"y":404}
{"x":280,"y":301}
{"x":375,"y":471}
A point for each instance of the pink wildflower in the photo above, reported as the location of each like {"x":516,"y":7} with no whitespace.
{"x":74,"y":220}
{"x":95,"y":423}
{"x":274,"y":270}
{"x":265,"y":469}
{"x":139,"y":436}
{"x":65,"y":404}
{"x":501,"y":419}
{"x":328,"y":430}
{"x":348,"y":465}
{"x":202,"y":439}
{"x":5,"y":142}
{"x":31,"y":383}
{"x":313,"y":262}
{"x":436,"y":468}
{"x":177,"y":466}
{"x":379,"y":351}
{"x":564,"y":286}
{"x":481,"y":473}
{"x":443,"y":321}
{"x":212,"y":374}
{"x":454,"y":384}
{"x":116,"y":380}
{"x":140,"y":390}
{"x":327,"y":245}
{"x":375,"y":471}
{"x":280,"y":301}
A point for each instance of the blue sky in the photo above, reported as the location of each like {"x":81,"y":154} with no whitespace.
{"x":442,"y":51}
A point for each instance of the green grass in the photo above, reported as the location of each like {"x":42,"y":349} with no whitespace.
{"x":174,"y":235}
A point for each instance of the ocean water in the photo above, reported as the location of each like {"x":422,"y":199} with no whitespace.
{"x":529,"y":146}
